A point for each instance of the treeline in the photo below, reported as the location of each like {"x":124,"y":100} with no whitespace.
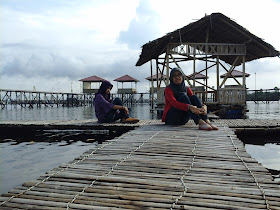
{"x":263,"y":95}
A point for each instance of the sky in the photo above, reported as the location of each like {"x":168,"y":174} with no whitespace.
{"x":49,"y":45}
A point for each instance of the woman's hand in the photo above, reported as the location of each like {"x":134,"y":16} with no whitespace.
{"x":195,"y":110}
{"x":204,"y":110}
{"x":126,"y":111}
{"x":199,"y":111}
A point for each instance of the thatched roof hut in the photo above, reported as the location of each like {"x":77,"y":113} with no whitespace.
{"x":214,"y":28}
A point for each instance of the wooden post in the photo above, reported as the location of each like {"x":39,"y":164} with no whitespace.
{"x":206,"y":63}
{"x":230,"y":70}
{"x":206,"y":74}
{"x":243,"y":68}
{"x":167,"y":65}
{"x":218,"y":78}
{"x":157,"y":69}
{"x":152,"y":84}
{"x":194,"y":70}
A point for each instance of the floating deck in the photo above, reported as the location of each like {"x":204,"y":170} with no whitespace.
{"x":155,"y":167}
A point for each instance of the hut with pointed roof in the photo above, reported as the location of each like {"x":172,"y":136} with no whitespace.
{"x":218,"y":42}
{"x":87,"y":83}
{"x":158,"y":79}
{"x":199,"y":89}
{"x":127,"y":79}
{"x":197,"y":76}
{"x":234,"y":75}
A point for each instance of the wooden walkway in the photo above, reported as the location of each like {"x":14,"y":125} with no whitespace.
{"x":155,"y":167}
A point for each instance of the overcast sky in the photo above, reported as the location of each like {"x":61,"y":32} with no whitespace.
{"x":52,"y":44}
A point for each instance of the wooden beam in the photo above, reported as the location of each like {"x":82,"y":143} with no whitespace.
{"x":230,"y":74}
{"x":243,"y":70}
{"x":152,"y":84}
{"x":230,"y":70}
{"x":218,"y":76}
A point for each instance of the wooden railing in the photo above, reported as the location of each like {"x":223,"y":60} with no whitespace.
{"x":226,"y":96}
{"x":232,"y":96}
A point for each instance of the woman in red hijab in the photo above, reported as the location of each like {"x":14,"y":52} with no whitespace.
{"x":181,"y":104}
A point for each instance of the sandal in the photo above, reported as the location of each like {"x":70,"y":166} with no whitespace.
{"x":130,"y":120}
{"x":214,"y":127}
{"x":205,"y":126}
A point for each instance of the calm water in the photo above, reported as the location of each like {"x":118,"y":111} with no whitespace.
{"x":27,"y":161}
{"x":263,"y":111}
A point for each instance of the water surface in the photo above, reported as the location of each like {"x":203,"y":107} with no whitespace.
{"x":26,"y":161}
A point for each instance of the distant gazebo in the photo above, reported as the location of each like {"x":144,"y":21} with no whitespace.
{"x":157,"y":78}
{"x":154,"y":77}
{"x":234,"y":74}
{"x":199,"y":90}
{"x":87,"y":84}
{"x":198,"y":76}
{"x":125,"y":79}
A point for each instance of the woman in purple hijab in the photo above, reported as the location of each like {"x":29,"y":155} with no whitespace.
{"x":108,"y":110}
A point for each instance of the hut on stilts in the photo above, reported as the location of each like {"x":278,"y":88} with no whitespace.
{"x":158,"y":78}
{"x":88,"y":81}
{"x":127,"y":94}
{"x":215,"y":42}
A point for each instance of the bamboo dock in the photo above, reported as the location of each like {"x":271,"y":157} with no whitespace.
{"x":155,"y":167}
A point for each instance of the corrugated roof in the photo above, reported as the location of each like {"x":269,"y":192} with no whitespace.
{"x":126,"y":78}
{"x":235,"y":73}
{"x":221,"y":30}
{"x":160,"y":76}
{"x":92,"y":79}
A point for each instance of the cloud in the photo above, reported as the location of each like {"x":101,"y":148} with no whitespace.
{"x":143,"y":28}
{"x":61,"y":40}
{"x":51,"y":44}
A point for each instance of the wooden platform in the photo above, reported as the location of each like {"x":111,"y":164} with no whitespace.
{"x":249,"y":123}
{"x":155,"y":167}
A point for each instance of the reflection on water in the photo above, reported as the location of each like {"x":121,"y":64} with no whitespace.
{"x":141,"y":111}
{"x":268,"y":155}
{"x":262,"y":110}
{"x":258,"y":110}
{"x":26,"y":161}
{"x":47,"y":113}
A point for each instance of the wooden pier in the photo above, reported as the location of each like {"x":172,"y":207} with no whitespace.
{"x":32,"y":99}
{"x":155,"y":167}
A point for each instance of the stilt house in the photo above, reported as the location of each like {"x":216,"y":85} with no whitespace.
{"x":214,"y":43}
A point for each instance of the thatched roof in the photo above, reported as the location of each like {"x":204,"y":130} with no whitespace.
{"x":221,"y":30}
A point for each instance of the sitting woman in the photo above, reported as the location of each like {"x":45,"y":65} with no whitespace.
{"x":108,"y":111}
{"x":181,"y":104}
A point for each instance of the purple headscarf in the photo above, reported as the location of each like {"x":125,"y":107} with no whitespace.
{"x":102,"y":90}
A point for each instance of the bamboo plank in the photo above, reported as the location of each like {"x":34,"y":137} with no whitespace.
{"x":144,"y":169}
